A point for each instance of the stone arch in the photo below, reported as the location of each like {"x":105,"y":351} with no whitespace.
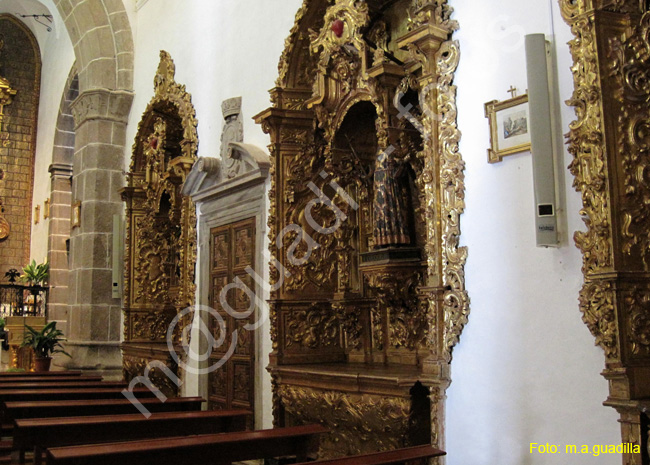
{"x":61,"y":201}
{"x":103,"y":44}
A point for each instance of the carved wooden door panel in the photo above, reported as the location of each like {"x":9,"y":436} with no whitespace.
{"x":232,"y":250}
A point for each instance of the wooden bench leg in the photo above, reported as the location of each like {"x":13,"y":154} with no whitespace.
{"x":38,"y":455}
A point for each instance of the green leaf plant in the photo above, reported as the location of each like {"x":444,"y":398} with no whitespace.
{"x":46,"y":341}
{"x":35,"y":274}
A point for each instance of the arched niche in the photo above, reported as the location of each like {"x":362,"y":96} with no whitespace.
{"x":160,"y":252}
{"x":367,"y":190}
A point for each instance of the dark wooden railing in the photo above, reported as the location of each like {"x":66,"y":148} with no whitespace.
{"x":20,"y":300}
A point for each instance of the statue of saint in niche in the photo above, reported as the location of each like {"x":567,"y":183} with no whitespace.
{"x":391,"y":188}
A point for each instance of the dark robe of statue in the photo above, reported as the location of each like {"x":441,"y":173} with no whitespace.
{"x":391,"y":201}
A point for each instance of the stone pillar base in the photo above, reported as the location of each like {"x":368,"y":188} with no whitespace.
{"x":99,"y":358}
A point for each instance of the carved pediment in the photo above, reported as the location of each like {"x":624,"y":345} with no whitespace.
{"x":240,"y":164}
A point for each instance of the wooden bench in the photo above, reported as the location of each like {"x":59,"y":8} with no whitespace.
{"x":213,"y":449}
{"x":9,"y":374}
{"x":40,"y":433}
{"x":408,"y":455}
{"x":55,"y":385}
{"x":29,"y":395}
{"x":48,"y":379}
{"x":84,"y":408}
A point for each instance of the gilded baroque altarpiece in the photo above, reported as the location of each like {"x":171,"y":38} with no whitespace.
{"x":367,"y":190}
{"x":160,"y":251}
{"x":610,"y":148}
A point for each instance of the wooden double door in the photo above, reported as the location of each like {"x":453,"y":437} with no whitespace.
{"x":232,"y":251}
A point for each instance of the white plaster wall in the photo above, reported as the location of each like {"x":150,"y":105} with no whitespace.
{"x":221,"y":49}
{"x":57,"y":57}
{"x":526,"y":369}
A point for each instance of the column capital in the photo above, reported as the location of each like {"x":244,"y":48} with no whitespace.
{"x":102,"y":104}
{"x":60,"y":170}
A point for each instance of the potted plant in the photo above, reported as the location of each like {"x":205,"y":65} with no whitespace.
{"x":35,"y":274}
{"x":45,"y":342}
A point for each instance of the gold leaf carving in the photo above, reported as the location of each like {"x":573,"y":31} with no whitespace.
{"x":597,"y":306}
{"x":629,"y":65}
{"x":150,"y":325}
{"x":396,"y":295}
{"x":312,"y":328}
{"x":637,"y":303}
{"x":353,"y":14}
{"x":358,"y":423}
{"x":133,"y":367}
{"x":585,"y":142}
{"x":452,"y":185}
{"x":349,"y":320}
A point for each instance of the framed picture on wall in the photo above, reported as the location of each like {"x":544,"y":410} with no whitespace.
{"x":76,"y":214}
{"x":509,"y":127}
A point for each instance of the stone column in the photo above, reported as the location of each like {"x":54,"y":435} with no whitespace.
{"x":59,"y":232}
{"x":94,"y":315}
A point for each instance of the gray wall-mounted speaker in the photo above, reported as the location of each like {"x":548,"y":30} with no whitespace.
{"x":542,"y":140}
{"x":118,"y":255}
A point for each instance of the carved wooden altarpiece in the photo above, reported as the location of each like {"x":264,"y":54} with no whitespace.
{"x":160,"y":250}
{"x":367,"y":191}
{"x":611,"y":150}
{"x":229,"y":193}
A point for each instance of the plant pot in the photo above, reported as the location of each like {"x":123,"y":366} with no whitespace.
{"x":42,"y":364}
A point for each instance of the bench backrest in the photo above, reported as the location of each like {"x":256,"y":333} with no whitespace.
{"x":49,"y":432}
{"x":212,"y":448}
{"x":55,"y":385}
{"x":82,"y":408}
{"x":9,"y":374}
{"x":47,"y":379}
{"x":410,"y":455}
{"x":15,"y":395}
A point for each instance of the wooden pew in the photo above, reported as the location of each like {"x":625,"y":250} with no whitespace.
{"x":408,"y":455}
{"x":84,"y":408}
{"x":212,"y":449}
{"x":55,"y":385}
{"x":15,"y":374}
{"x":30,"y":395}
{"x":48,"y":379}
{"x":41,"y":433}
